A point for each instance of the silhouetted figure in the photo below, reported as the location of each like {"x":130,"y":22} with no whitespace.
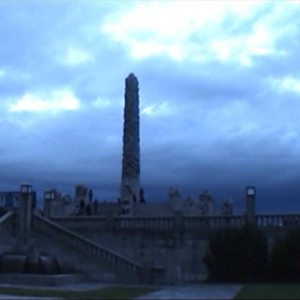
{"x":142,"y":198}
{"x":81,"y":206}
{"x":77,"y":210}
{"x":95,"y":206}
{"x":33,"y":201}
{"x":90,"y":195}
{"x":88,"y":209}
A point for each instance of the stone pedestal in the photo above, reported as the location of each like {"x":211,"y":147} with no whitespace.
{"x":250,"y":212}
{"x":33,"y":253}
{"x":47,"y":208}
{"x":146,"y":277}
{"x":250,"y":205}
{"x":178,"y":219}
{"x":25,"y":214}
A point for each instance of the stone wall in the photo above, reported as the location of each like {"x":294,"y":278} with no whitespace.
{"x":69,"y":258}
{"x":180,"y":255}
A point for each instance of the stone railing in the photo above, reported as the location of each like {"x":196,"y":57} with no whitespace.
{"x":213,"y":222}
{"x":165,"y":223}
{"x":119,"y":222}
{"x":160,"y":223}
{"x":144,"y":222}
{"x":82,"y":222}
{"x":6,"y":220}
{"x":6,"y":217}
{"x":278,"y":220}
{"x":88,"y":247}
{"x":263,"y":221}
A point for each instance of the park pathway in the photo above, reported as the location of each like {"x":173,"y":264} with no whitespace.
{"x":13,"y":297}
{"x":201,"y":291}
{"x":197,"y":292}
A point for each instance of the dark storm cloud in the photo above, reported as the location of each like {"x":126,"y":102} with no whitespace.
{"x":64,"y":151}
{"x":205,"y":124}
{"x":36,"y":38}
{"x":187,"y":83}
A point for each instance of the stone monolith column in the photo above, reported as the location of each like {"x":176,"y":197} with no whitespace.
{"x":25,"y":219}
{"x":130,"y":184}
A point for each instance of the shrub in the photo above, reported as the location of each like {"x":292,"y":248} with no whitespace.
{"x":237,"y":255}
{"x":285,"y":257}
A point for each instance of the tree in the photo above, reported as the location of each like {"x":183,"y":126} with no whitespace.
{"x":142,"y":197}
{"x":285,"y":257}
{"x":237,"y":254}
{"x":90,"y":195}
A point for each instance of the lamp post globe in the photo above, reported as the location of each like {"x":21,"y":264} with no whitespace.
{"x":250,"y":204}
{"x":49,"y":195}
{"x":26,"y":188}
{"x":250,"y":191}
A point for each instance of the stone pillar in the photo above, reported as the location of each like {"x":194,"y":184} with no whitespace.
{"x":49,"y":198}
{"x":130,"y":183}
{"x":178,"y":222}
{"x":47,"y":208}
{"x":25,"y":219}
{"x":81,"y":193}
{"x":250,"y":204}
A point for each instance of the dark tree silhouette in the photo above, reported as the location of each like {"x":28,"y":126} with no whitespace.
{"x":90,"y":195}
{"x":142,"y":197}
{"x":285,"y":257}
{"x":237,"y":255}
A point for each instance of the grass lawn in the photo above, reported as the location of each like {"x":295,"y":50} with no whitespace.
{"x":117,"y":292}
{"x":269,"y":291}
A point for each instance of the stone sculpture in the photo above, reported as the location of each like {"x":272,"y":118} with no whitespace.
{"x":130,"y":184}
{"x":226,"y":207}
{"x":206,"y":204}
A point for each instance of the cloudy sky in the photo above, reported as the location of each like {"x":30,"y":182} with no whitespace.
{"x":219,"y":96}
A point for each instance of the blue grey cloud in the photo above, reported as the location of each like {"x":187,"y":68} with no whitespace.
{"x":219,"y":97}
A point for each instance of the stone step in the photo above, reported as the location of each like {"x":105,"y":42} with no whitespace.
{"x":41,"y":279}
{"x":94,"y":273}
{"x":125,"y":267}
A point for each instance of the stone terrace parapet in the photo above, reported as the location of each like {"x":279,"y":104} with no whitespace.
{"x":118,"y":262}
{"x":7,"y":217}
{"x":278,"y":220}
{"x":166,"y":223}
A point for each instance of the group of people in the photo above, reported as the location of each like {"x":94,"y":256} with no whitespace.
{"x":90,"y":208}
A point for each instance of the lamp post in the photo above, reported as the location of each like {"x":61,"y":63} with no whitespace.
{"x":25,"y":214}
{"x":49,"y":197}
{"x":26,"y":189}
{"x":250,"y":204}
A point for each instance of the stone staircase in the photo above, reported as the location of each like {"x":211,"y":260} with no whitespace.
{"x":123,"y":269}
{"x":91,"y":272}
{"x":6,"y":224}
{"x":5,"y":218}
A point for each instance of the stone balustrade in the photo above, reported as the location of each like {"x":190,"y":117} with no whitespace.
{"x":278,"y":220}
{"x":119,"y":222}
{"x":6,"y":217}
{"x":90,"y":248}
{"x":6,"y":220}
{"x":166,"y":223}
{"x":144,"y":222}
{"x":81,"y":222}
{"x":213,"y":222}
